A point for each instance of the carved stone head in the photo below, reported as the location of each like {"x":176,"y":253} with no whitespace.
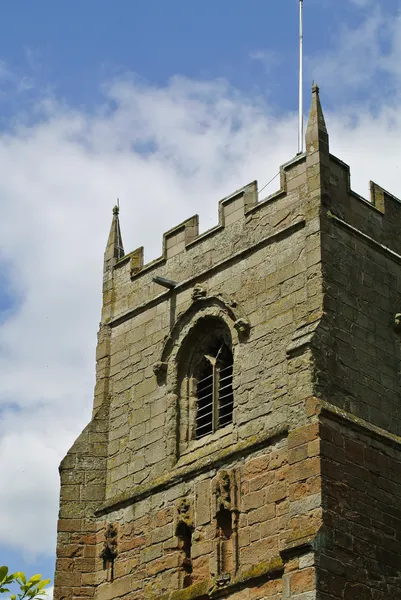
{"x":198,"y":292}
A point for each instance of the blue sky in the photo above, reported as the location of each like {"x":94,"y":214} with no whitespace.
{"x":170,"y":106}
{"x":70,"y":49}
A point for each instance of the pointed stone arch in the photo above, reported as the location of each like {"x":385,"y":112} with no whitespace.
{"x":219,"y":306}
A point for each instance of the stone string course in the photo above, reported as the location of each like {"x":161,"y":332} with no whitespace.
{"x":311,"y":461}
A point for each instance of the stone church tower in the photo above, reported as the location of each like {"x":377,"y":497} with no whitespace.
{"x":246,"y":433}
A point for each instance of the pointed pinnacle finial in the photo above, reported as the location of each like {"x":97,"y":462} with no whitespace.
{"x":114,"y":248}
{"x":316,"y":131}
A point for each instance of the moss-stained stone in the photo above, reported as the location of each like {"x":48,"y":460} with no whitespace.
{"x":211,"y":589}
{"x":197,"y":466}
{"x":271,"y":567}
{"x":198,"y":591}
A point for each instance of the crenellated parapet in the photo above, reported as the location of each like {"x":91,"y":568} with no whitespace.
{"x":188,"y":256}
{"x":181,"y":237}
{"x":243,"y":221}
{"x":378,"y":217}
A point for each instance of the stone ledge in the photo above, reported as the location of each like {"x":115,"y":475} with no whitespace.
{"x":204,"y":465}
{"x":345,"y":418}
{"x":198,"y":591}
{"x":210,"y":589}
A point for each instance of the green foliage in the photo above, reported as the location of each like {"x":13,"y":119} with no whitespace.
{"x":30,"y":588}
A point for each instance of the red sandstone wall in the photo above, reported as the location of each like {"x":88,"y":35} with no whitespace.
{"x":361,"y":476}
{"x":277,"y":511}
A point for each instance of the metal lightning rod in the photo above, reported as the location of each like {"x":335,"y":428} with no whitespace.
{"x":301,"y":78}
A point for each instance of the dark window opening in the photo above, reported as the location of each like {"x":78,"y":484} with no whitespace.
{"x":184,"y":534}
{"x":225,"y":534}
{"x":214,"y":391}
{"x":224,"y":523}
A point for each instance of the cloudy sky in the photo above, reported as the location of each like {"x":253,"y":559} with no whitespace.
{"x":169,"y":106}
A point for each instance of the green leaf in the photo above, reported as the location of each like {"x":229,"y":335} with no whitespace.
{"x":35,"y":578}
{"x":43,"y":583}
{"x":3,"y":572}
{"x":2,"y":590}
{"x":13,"y":597}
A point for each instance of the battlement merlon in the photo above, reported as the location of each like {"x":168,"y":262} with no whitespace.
{"x":179,"y":238}
{"x":313,"y":186}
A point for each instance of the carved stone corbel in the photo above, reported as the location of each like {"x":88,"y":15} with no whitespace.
{"x":243,"y":327}
{"x":184,"y":513}
{"x":198,"y":292}
{"x":223,"y":491}
{"x":160,"y":370}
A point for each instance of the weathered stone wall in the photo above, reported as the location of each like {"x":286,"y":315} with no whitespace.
{"x":307,"y":285}
{"x":361,"y":487}
{"x":270,"y":278}
{"x":277,"y":503}
{"x":359,"y":364}
{"x":82,"y":474}
{"x":259,"y":273}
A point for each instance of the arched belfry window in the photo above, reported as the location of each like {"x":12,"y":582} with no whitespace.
{"x":205,"y":365}
{"x":214,"y":388}
{"x":205,"y":379}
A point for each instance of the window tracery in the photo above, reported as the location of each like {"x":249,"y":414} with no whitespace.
{"x":214,"y":391}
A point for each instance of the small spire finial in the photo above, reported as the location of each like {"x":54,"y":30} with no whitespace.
{"x":114,"y":249}
{"x":317,"y":138}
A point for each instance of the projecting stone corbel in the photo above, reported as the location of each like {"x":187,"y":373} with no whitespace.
{"x":160,"y":370}
{"x":243,"y":327}
{"x":198,"y":292}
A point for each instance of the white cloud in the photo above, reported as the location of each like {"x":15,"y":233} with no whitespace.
{"x":58,"y":182}
{"x":49,"y":592}
{"x":166,"y":152}
{"x":365,"y":59}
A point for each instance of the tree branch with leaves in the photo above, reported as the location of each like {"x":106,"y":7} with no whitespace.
{"x":29,"y":588}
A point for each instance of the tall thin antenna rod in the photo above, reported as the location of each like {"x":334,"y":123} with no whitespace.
{"x":301,"y":82}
